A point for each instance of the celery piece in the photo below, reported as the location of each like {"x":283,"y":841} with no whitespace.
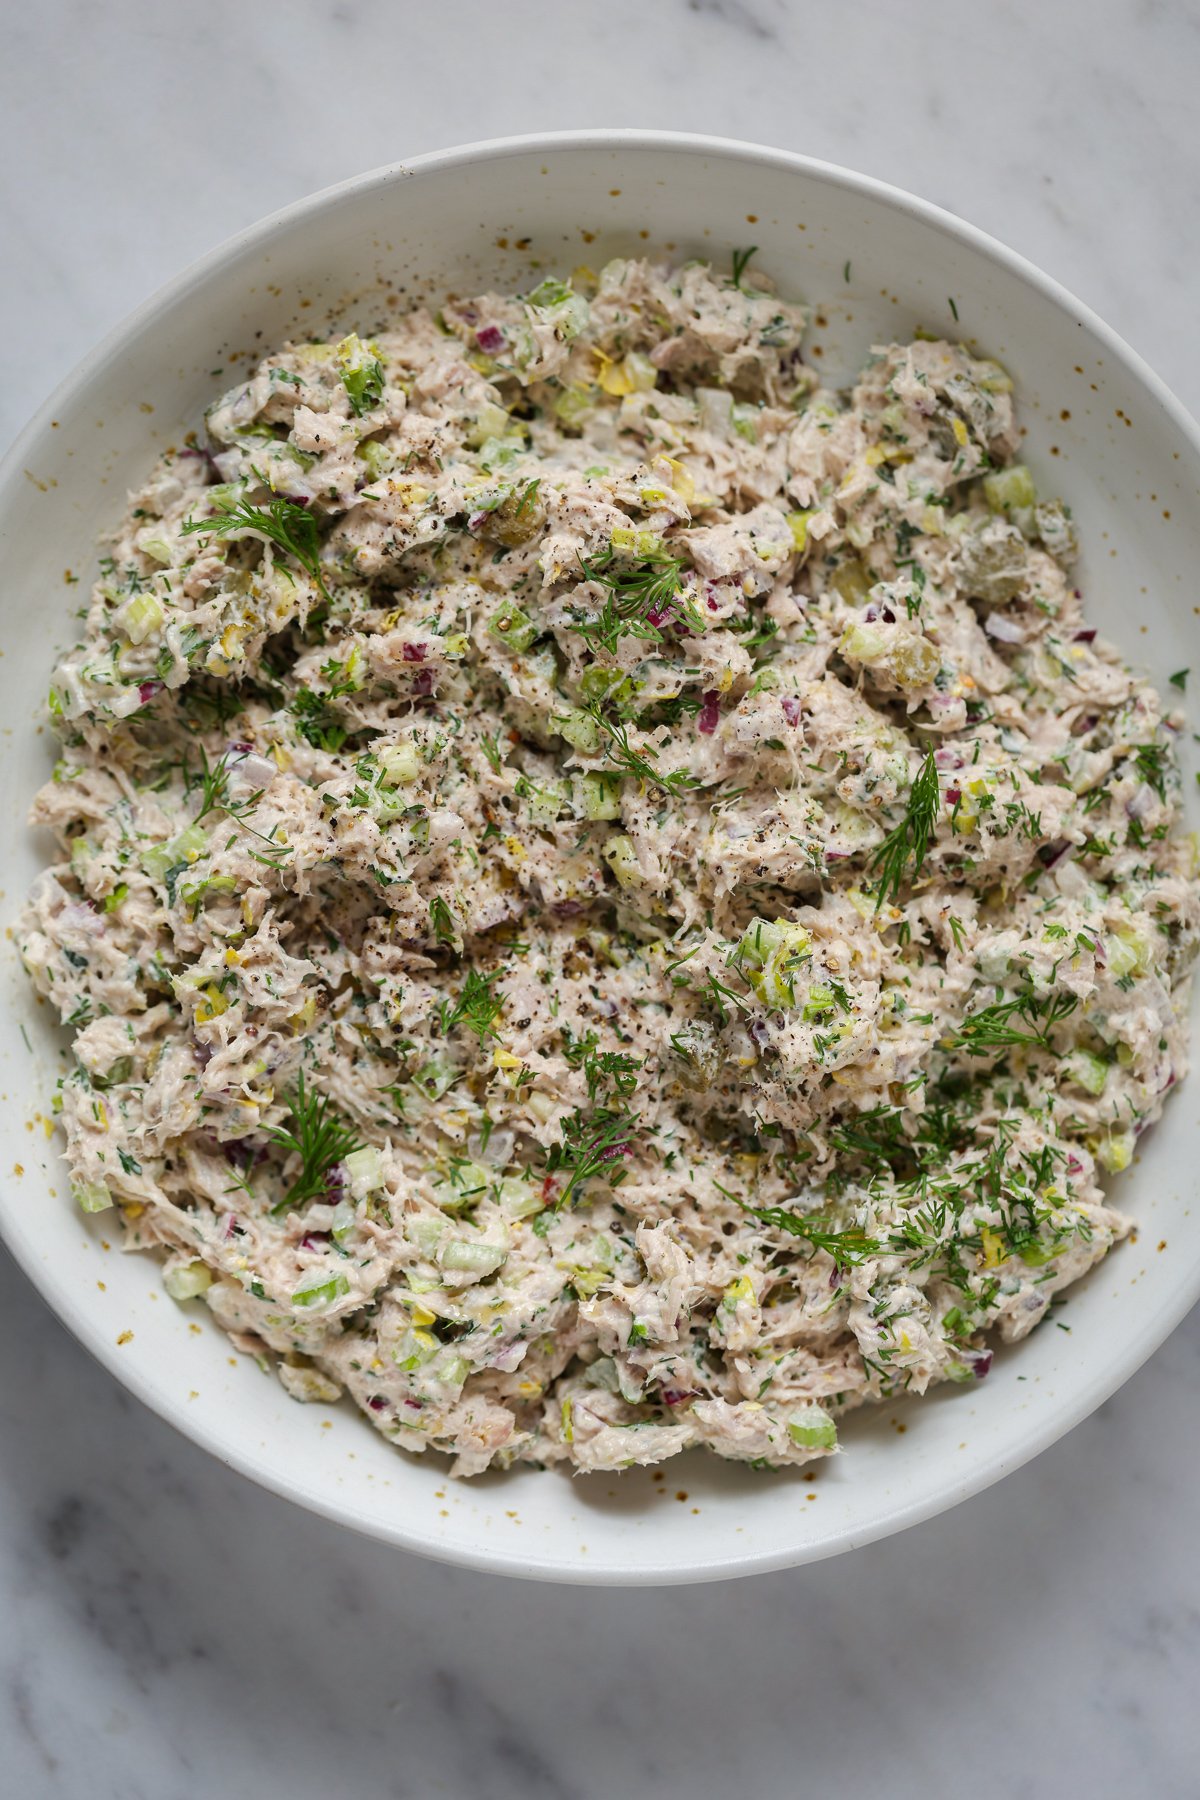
{"x":580,"y":730}
{"x":515,"y":628}
{"x":1115,"y":1151}
{"x":1090,"y":1072}
{"x":1008,"y":490}
{"x":811,"y":1428}
{"x":622,"y":859}
{"x":798,"y":526}
{"x":364,"y":1168}
{"x":598,"y":796}
{"x":400,"y":764}
{"x":140,"y":616}
{"x":851,"y":581}
{"x":91,"y":1196}
{"x":415,"y":1348}
{"x":189,"y":1281}
{"x":471,"y":1257}
{"x":320,"y":1288}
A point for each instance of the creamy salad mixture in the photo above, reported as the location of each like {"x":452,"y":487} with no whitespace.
{"x":609,"y":897}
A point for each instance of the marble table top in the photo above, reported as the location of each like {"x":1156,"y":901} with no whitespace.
{"x":168,"y":1631}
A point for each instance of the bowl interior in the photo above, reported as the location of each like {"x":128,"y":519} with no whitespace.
{"x":1099,"y":430}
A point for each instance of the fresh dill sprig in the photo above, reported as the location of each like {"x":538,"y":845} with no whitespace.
{"x":441,"y":923}
{"x":847,"y":1246}
{"x":1151,"y":762}
{"x":740,"y":260}
{"x":292,"y":528}
{"x":622,"y":754}
{"x":991,"y":1029}
{"x":318,"y":1137}
{"x":477,"y":1007}
{"x":600,"y":1066}
{"x":635,"y":586}
{"x":214,"y":790}
{"x":590,"y":1143}
{"x":909,"y":842}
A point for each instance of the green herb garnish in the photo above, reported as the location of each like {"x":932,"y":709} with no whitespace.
{"x":292,"y":528}
{"x":991,"y":1028}
{"x":318,"y":1137}
{"x":477,"y":1007}
{"x":909,"y":842}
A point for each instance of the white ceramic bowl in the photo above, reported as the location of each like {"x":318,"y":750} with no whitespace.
{"x":1101,"y":429}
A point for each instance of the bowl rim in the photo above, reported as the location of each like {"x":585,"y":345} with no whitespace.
{"x":62,"y":1300}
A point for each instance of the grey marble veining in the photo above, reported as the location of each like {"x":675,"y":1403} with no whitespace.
{"x":167,"y":1631}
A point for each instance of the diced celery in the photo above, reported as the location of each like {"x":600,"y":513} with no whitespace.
{"x":580,"y":730}
{"x":745,"y":421}
{"x":519,"y":1200}
{"x":415,"y":1348}
{"x":1008,"y":490}
{"x":811,"y":1428}
{"x":636,"y":543}
{"x":598,"y":796}
{"x":436,"y":1078}
{"x":600,"y":683}
{"x":140,"y":616}
{"x":740,"y":1288}
{"x":865,"y":643}
{"x":91,"y":1196}
{"x":993,"y":378}
{"x":622,"y":859}
{"x":769,"y":955}
{"x":489,"y":422}
{"x":364,"y":1169}
{"x":468,"y":1183}
{"x":574,"y":405}
{"x":345,"y":1218}
{"x":190,"y":844}
{"x":1089,"y":1071}
{"x":379,"y":458}
{"x":471,"y":1257}
{"x":426,"y":1232}
{"x":320,"y":1288}
{"x":189,"y":1281}
{"x":1115,"y":1151}
{"x":798,"y":526}
{"x":820,"y":1001}
{"x":547,"y":802}
{"x":119,"y":1070}
{"x":515,"y":628}
{"x":852,"y":582}
{"x":1130,"y":952}
{"x":452,"y":1368}
{"x":82,"y":852}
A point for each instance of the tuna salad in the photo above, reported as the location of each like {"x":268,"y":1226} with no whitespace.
{"x":608,"y":897}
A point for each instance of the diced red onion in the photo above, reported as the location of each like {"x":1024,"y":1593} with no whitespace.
{"x":709,"y":716}
{"x":791,"y":708}
{"x":147,"y":691}
{"x":1085,"y":637}
{"x":491,"y":340}
{"x":413,"y":652}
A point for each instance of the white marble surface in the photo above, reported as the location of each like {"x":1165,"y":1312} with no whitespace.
{"x":167,"y":1631}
